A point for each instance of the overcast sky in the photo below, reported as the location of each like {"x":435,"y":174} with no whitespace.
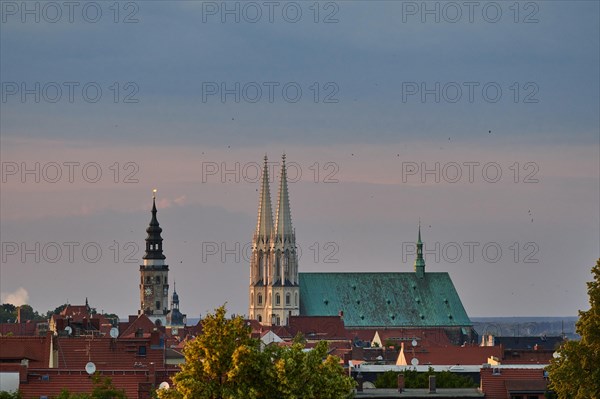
{"x":481,"y":119}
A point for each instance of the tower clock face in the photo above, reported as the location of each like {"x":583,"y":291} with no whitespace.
{"x":148,"y":291}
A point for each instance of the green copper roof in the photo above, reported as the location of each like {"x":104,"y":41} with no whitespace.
{"x":383,"y":299}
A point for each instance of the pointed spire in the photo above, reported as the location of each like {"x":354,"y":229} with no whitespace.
{"x":175,"y":297}
{"x":154,"y":239}
{"x":264,"y":225}
{"x":283,"y":220}
{"x":419,"y":261}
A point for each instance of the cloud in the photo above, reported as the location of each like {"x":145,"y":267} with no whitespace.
{"x":17,"y":298}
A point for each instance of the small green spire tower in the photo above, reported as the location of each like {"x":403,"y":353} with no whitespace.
{"x":420,"y":262}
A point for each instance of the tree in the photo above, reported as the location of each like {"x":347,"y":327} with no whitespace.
{"x":297,"y":373}
{"x":575,"y":374}
{"x":226,"y":363}
{"x":103,"y":389}
{"x":209,"y":359}
{"x":8,"y":313}
{"x":10,"y":395}
{"x":27,"y":313}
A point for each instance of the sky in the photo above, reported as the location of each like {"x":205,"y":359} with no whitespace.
{"x":478,"y":119}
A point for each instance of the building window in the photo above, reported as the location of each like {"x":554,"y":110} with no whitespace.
{"x":259,"y":318}
{"x":277,"y":299}
{"x":166,"y":290}
{"x":141,"y":351}
{"x":157,"y":279}
{"x":148,"y":280}
{"x":288,"y":299}
{"x":296,"y":299}
{"x":260,"y":299}
{"x":157,"y":305}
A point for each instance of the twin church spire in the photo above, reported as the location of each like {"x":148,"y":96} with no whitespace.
{"x":274,"y":287}
{"x":282,"y":231}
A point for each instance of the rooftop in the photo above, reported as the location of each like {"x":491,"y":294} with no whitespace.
{"x":383,"y":299}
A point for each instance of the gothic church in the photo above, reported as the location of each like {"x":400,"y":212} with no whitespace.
{"x":277,"y":290}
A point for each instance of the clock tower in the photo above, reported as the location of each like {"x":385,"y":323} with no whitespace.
{"x":154,"y":283}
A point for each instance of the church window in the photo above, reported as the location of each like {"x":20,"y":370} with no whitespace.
{"x":148,"y":280}
{"x":259,"y":318}
{"x":288,"y":299}
{"x":260,"y":299}
{"x":277,"y":299}
{"x":296,"y":299}
{"x":157,"y":279}
{"x":157,"y":305}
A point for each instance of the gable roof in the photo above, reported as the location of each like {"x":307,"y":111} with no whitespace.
{"x":142,"y":323}
{"x":438,"y":355}
{"x":529,"y":343}
{"x":383,"y":299}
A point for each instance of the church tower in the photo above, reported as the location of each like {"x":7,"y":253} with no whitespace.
{"x":175,"y":318}
{"x":274,"y":286}
{"x":154,"y":284}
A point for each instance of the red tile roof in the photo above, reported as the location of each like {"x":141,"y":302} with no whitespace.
{"x":496,"y":382}
{"x":447,"y":355}
{"x":28,"y":328}
{"x":17,"y":348}
{"x":50,"y":382}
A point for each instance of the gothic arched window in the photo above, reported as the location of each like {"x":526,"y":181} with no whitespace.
{"x":259,"y":300}
{"x":288,"y":299}
{"x":277,"y":299}
{"x":296,"y":299}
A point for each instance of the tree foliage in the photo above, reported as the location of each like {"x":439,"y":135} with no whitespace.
{"x":8,"y":313}
{"x":103,"y":389}
{"x":10,"y":395}
{"x":414,"y":379}
{"x":226,"y":363}
{"x":575,"y":373}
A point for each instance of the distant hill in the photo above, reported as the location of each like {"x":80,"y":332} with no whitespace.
{"x":526,"y":326}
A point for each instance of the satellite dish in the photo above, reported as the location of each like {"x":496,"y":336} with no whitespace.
{"x":164,"y":385}
{"x":414,"y":361}
{"x":90,"y":368}
{"x":68,"y":330}
{"x":114,"y":332}
{"x":556,"y":355}
{"x":414,"y":342}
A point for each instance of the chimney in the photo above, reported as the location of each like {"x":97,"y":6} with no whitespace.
{"x":400,"y":382}
{"x":341,"y":314}
{"x":432,"y":384}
